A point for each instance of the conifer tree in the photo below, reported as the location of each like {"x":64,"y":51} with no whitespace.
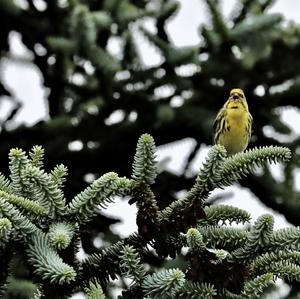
{"x":69,"y":42}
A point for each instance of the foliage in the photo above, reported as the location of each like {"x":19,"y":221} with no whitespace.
{"x":220,"y":261}
{"x":90,"y":57}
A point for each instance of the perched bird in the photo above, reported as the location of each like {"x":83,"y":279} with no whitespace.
{"x":232,"y":126}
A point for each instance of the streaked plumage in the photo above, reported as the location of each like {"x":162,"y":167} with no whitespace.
{"x":232,"y":127}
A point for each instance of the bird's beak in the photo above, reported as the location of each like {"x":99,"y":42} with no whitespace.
{"x":235,"y":96}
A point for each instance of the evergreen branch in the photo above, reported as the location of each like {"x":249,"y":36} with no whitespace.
{"x":18,"y":160}
{"x":220,"y":255}
{"x":261,"y":232}
{"x":19,"y":222}
{"x":131,"y":261}
{"x":146,"y":218}
{"x":20,"y":288}
{"x":97,"y":259}
{"x":163,"y":284}
{"x":241,"y":11}
{"x":175,"y":244}
{"x":262,"y":262}
{"x":211,"y":38}
{"x":3,"y":289}
{"x":284,"y":269}
{"x":101,"y":19}
{"x":25,"y":205}
{"x":206,"y":181}
{"x":61,"y":44}
{"x":5,"y":229}
{"x":244,"y":163}
{"x":102,"y":60}
{"x":195,"y":241}
{"x":168,"y":9}
{"x":160,"y":230}
{"x":208,"y":176}
{"x":82,"y":26}
{"x":58,"y":175}
{"x":131,"y":55}
{"x":108,"y":261}
{"x":254,"y":288}
{"x":60,"y":234}
{"x":224,"y":213}
{"x":286,"y":238}
{"x":46,"y":261}
{"x":260,"y":236}
{"x":174,"y":56}
{"x":84,"y":32}
{"x":195,"y":290}
{"x":4,"y":184}
{"x":256,"y":25}
{"x":37,"y":155}
{"x":94,"y":291}
{"x":227,"y":238}
{"x":98,"y":193}
{"x":127,"y":12}
{"x":218,"y":21}
{"x":38,"y":294}
{"x":144,"y":168}
{"x":173,"y":211}
{"x":265,"y":4}
{"x":52,"y":195}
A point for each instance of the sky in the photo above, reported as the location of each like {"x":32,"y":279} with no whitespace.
{"x":24,"y":80}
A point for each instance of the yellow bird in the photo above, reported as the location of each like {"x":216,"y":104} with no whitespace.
{"x":232,"y":127}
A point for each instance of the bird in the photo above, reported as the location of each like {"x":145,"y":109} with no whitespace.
{"x":233,"y":123}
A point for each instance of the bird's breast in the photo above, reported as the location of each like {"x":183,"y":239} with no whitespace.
{"x":237,"y":114}
{"x":236,"y":137}
{"x":237,"y":120}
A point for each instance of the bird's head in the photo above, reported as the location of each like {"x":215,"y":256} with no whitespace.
{"x":237,"y":98}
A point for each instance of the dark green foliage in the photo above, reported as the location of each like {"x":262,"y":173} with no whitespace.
{"x":255,"y":287}
{"x":47,"y":263}
{"x":47,"y":243}
{"x":94,"y":291}
{"x":194,"y":240}
{"x":193,"y":290}
{"x":252,"y":49}
{"x":221,"y":213}
{"x":144,"y":169}
{"x":164,"y":284}
{"x":61,"y":234}
{"x":131,"y":262}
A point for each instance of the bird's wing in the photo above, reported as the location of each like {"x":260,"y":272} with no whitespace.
{"x":219,"y":124}
{"x":249,"y":125}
